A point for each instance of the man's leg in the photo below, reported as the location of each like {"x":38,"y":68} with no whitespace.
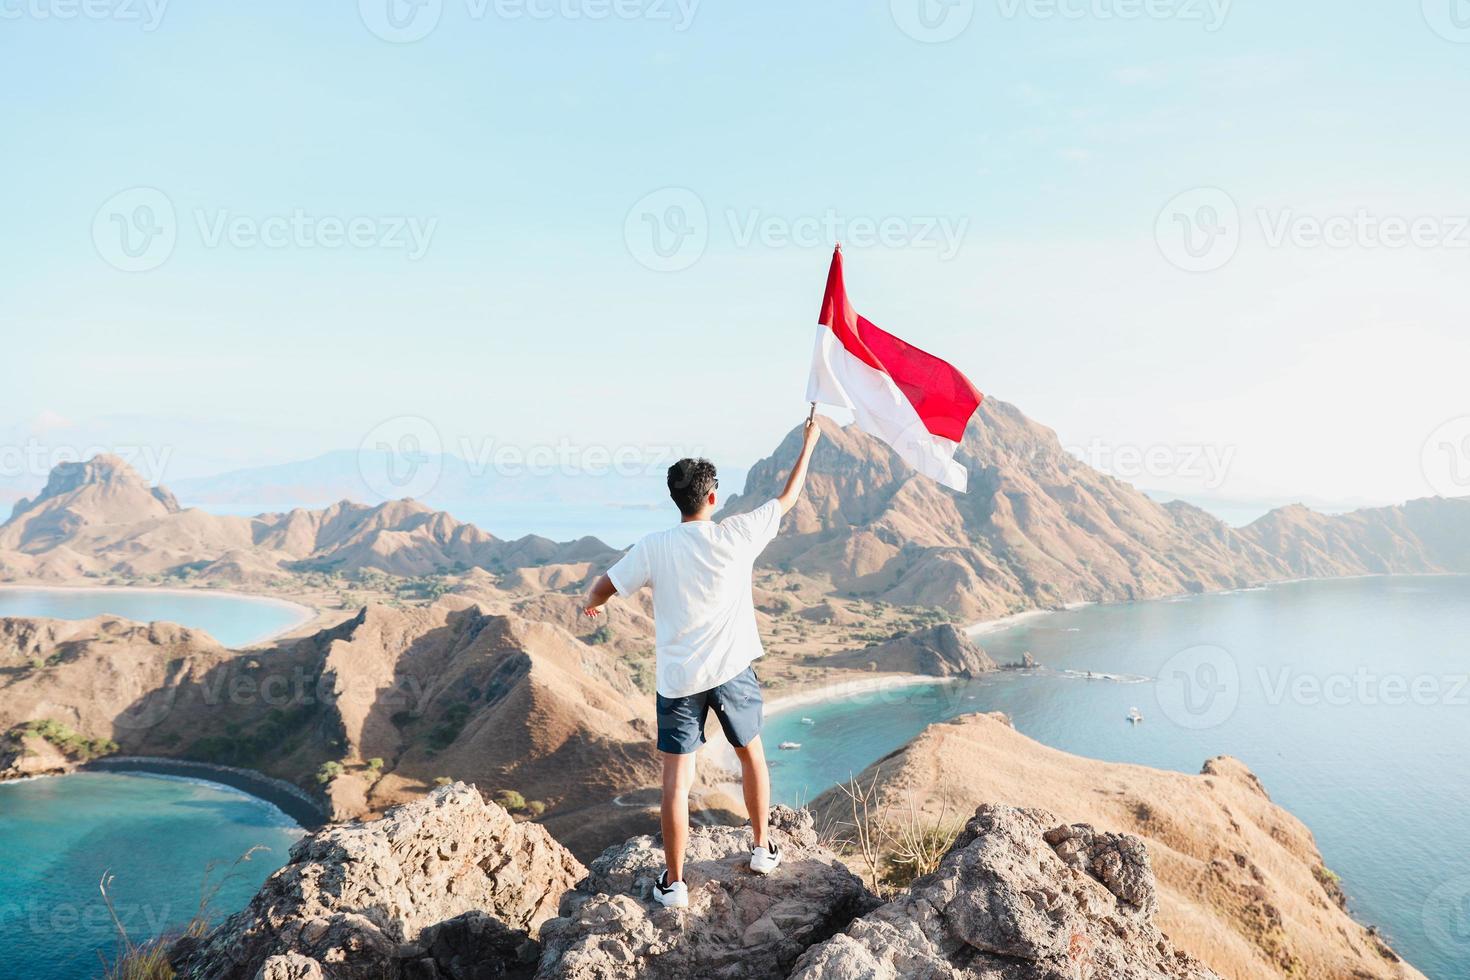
{"x":755,"y":780}
{"x":674,"y":812}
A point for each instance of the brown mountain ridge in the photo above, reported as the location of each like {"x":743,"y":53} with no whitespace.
{"x":1041,"y":529}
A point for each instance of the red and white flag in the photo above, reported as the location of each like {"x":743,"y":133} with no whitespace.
{"x":911,"y":400}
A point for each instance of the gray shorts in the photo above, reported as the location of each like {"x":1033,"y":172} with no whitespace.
{"x":737,"y":703}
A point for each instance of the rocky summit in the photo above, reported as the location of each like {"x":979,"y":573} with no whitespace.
{"x":431,"y":890}
{"x":1018,"y":897}
{"x":452,"y":888}
{"x":738,"y":924}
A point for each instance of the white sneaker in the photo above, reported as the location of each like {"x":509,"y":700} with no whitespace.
{"x":764,"y":860}
{"x":675,"y":896}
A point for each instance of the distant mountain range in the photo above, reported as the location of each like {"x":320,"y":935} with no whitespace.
{"x":1040,"y":528}
{"x":100,"y":516}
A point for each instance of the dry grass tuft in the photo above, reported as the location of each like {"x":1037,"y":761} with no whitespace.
{"x":895,"y":845}
{"x":149,"y":960}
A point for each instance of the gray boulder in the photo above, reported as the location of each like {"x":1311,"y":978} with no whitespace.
{"x":1018,"y":897}
{"x":738,"y":924}
{"x":432,"y":887}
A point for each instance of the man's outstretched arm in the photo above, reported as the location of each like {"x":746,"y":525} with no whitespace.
{"x":602,"y":590}
{"x":797,"y":479}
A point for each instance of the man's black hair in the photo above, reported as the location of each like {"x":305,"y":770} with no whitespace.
{"x":690,"y":483}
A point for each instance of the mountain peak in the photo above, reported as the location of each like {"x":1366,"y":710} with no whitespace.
{"x":104,"y":469}
{"x":100,"y":490}
{"x":1039,"y":527}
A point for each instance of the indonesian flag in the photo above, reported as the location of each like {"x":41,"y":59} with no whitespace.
{"x":911,"y":400}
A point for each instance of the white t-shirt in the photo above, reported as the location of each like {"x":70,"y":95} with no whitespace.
{"x":703,"y":612}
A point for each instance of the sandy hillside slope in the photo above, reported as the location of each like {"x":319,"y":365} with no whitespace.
{"x":1241,"y":883}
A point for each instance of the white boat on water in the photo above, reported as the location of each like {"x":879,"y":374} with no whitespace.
{"x":789,"y":745}
{"x":1134,"y":715}
{"x":808,"y":721}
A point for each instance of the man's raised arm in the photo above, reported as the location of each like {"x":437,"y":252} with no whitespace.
{"x":602,"y":590}
{"x":797,"y":479}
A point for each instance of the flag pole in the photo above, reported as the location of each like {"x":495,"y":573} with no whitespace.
{"x":812,"y":415}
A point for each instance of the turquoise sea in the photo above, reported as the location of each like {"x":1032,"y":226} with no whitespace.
{"x":234,"y":620}
{"x":1350,"y":699}
{"x":155,"y":836}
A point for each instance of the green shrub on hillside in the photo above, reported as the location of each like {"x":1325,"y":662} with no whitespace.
{"x":644,"y":669}
{"x":511,"y":800}
{"x":424,"y":587}
{"x":74,"y":744}
{"x":448,"y":729}
{"x":277,"y":734}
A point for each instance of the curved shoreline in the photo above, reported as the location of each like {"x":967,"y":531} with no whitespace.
{"x":303,"y":613}
{"x":291,"y":800}
{"x":851,"y":690}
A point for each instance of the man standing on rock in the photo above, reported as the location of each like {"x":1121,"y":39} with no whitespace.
{"x":706,"y":641}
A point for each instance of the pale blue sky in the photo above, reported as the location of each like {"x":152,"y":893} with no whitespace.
{"x":1047,"y":144}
